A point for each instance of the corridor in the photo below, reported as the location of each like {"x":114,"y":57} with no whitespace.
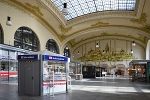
{"x":105,"y":88}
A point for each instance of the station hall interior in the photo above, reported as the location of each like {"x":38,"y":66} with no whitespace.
{"x":95,"y":49}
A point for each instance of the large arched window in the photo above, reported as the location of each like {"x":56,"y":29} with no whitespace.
{"x":26,"y":39}
{"x":51,"y":45}
{"x":1,"y":35}
{"x":66,"y":51}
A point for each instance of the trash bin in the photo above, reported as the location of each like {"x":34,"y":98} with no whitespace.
{"x":79,"y":76}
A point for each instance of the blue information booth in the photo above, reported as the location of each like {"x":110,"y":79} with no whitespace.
{"x":35,"y":73}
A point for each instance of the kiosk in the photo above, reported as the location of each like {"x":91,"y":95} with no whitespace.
{"x":40,"y":72}
{"x":140,"y":70}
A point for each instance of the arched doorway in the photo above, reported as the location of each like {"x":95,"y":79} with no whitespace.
{"x":120,"y":68}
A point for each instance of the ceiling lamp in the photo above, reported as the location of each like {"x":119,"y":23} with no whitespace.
{"x":78,"y":52}
{"x":67,"y":47}
{"x":133,"y":43}
{"x":97,"y":45}
{"x":8,"y":22}
{"x":64,"y":10}
{"x":131,"y":51}
{"x":103,"y":51}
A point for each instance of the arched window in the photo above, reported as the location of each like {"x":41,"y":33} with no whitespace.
{"x":66,"y":51}
{"x":51,"y":45}
{"x":26,"y":39}
{"x":1,"y":36}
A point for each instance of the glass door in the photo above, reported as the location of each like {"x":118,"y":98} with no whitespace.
{"x":8,"y":65}
{"x":13,"y":71}
{"x":4,"y":64}
{"x":4,"y":71}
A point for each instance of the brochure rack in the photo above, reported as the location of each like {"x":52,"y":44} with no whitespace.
{"x":51,"y":84}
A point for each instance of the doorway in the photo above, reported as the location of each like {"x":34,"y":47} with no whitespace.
{"x":4,"y":72}
{"x":29,"y":81}
{"x":8,"y":70}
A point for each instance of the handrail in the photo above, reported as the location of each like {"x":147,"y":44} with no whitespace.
{"x":69,"y":82}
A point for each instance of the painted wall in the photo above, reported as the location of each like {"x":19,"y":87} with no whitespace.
{"x":21,"y":18}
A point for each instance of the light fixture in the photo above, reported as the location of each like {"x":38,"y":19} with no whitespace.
{"x":8,"y":22}
{"x":64,"y":10}
{"x":97,"y":45}
{"x":78,"y":52}
{"x":133,"y":43}
{"x":67,"y":47}
{"x":131,"y":51}
{"x":103,"y":51}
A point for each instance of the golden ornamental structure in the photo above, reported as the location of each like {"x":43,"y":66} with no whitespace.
{"x":105,"y":55}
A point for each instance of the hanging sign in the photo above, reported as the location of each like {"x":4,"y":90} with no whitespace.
{"x":28,"y":57}
{"x":55,"y":58}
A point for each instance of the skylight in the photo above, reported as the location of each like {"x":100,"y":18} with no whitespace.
{"x":78,"y":8}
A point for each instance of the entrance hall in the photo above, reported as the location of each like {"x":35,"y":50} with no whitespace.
{"x":103,"y":88}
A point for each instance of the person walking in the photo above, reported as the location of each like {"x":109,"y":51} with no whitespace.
{"x":116,"y":73}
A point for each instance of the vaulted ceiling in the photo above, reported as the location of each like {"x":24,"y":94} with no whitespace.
{"x":92,"y":19}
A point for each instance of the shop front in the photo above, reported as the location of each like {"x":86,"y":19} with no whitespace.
{"x":8,"y":62}
{"x":140,"y":70}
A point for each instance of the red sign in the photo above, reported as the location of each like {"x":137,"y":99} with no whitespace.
{"x":6,"y":74}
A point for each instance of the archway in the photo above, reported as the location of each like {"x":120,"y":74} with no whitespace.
{"x":25,"y":38}
{"x":148,"y":50}
{"x":52,"y":46}
{"x":120,"y":68}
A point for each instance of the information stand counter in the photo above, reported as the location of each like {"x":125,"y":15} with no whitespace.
{"x":35,"y":76}
{"x":59,"y":83}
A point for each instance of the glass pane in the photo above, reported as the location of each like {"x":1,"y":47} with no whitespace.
{"x":4,"y":71}
{"x":1,"y":35}
{"x":12,"y":55}
{"x":51,"y":45}
{"x":20,"y":53}
{"x":17,"y":44}
{"x":26,"y":39}
{"x":3,"y":54}
{"x":90,"y":6}
{"x":13,"y":71}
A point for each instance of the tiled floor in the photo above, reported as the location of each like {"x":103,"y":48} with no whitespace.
{"x":105,"y":88}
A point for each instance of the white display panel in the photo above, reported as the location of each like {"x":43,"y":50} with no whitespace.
{"x":58,"y":79}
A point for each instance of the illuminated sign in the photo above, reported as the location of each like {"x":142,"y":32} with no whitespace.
{"x":28,"y":57}
{"x":55,"y":58}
